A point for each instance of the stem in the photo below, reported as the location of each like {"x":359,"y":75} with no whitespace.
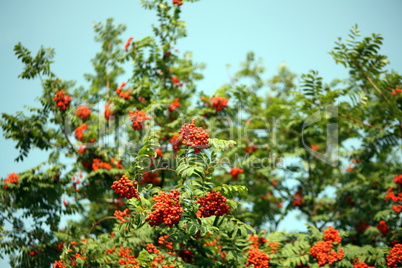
{"x":216,"y":221}
{"x":96,"y":223}
{"x":156,"y":169}
{"x":376,"y":88}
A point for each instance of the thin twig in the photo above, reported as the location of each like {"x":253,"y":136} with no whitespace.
{"x":96,"y":223}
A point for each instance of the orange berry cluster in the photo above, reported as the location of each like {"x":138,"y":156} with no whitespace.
{"x":125,"y":187}
{"x":116,"y":163}
{"x":79,"y":131}
{"x":138,"y":119}
{"x":12,"y":178}
{"x":175,"y":104}
{"x":127,"y":44}
{"x":394,"y":259}
{"x":395,"y":198}
{"x":176,"y":81}
{"x":257,"y":259}
{"x":150,"y":177}
{"x":214,"y":243}
{"x":219,"y":103}
{"x":62,"y":100}
{"x":123,"y":94}
{"x":214,"y":203}
{"x":359,"y":264}
{"x":176,"y":142}
{"x":98,"y":164}
{"x":178,"y":2}
{"x":162,"y":240}
{"x":108,"y":113}
{"x":152,"y":249}
{"x":126,"y":258}
{"x":58,"y":264}
{"x":77,"y":256}
{"x":194,"y":136}
{"x":159,"y":152}
{"x":83,"y":112}
{"x":167,"y":209}
{"x":121,"y":215}
{"x":235,"y":172}
{"x":250,"y":149}
{"x":332,"y":235}
{"x":398,"y":178}
{"x":322,"y":250}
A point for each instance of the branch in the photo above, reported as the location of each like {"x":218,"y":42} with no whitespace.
{"x":156,"y":169}
{"x":96,"y":223}
{"x":369,"y":125}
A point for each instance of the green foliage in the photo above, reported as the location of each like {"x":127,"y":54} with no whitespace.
{"x":266,"y":163}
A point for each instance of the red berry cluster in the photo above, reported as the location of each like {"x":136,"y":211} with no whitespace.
{"x":167,"y":209}
{"x":175,"y":104}
{"x":214,"y":203}
{"x":395,"y":198}
{"x":116,"y":163}
{"x":82,"y":148}
{"x":178,"y":2}
{"x":194,"y":136}
{"x":219,"y":103}
{"x":214,"y":243}
{"x":322,"y":250}
{"x":250,"y":149}
{"x":127,"y":44}
{"x":176,"y":142}
{"x":186,"y":255}
{"x":359,"y":264}
{"x":395,"y":91}
{"x":138,"y":119}
{"x":127,"y":259}
{"x":58,"y":264}
{"x":98,"y":164}
{"x":257,"y":259}
{"x":176,"y":81}
{"x":110,"y":250}
{"x":162,"y":240}
{"x":125,"y":187}
{"x":83,"y":112}
{"x":332,"y":235}
{"x":77,"y":256}
{"x":398,"y":178}
{"x":12,"y":178}
{"x":123,"y":94}
{"x":297,"y":199}
{"x":314,"y":147}
{"x":121,"y":215}
{"x":159,"y":152}
{"x":235,"y":172}
{"x":152,"y":249}
{"x":150,"y":177}
{"x":256,"y":240}
{"x":394,"y":259}
{"x":79,"y":131}
{"x":62,"y":100}
{"x":361,"y":225}
{"x":108,"y":113}
{"x":383,"y":227}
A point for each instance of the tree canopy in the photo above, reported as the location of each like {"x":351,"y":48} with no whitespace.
{"x":162,"y":175}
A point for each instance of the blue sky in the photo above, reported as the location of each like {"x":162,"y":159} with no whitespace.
{"x":297,"y":33}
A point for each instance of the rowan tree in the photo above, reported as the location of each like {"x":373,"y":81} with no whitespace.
{"x":162,"y":175}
